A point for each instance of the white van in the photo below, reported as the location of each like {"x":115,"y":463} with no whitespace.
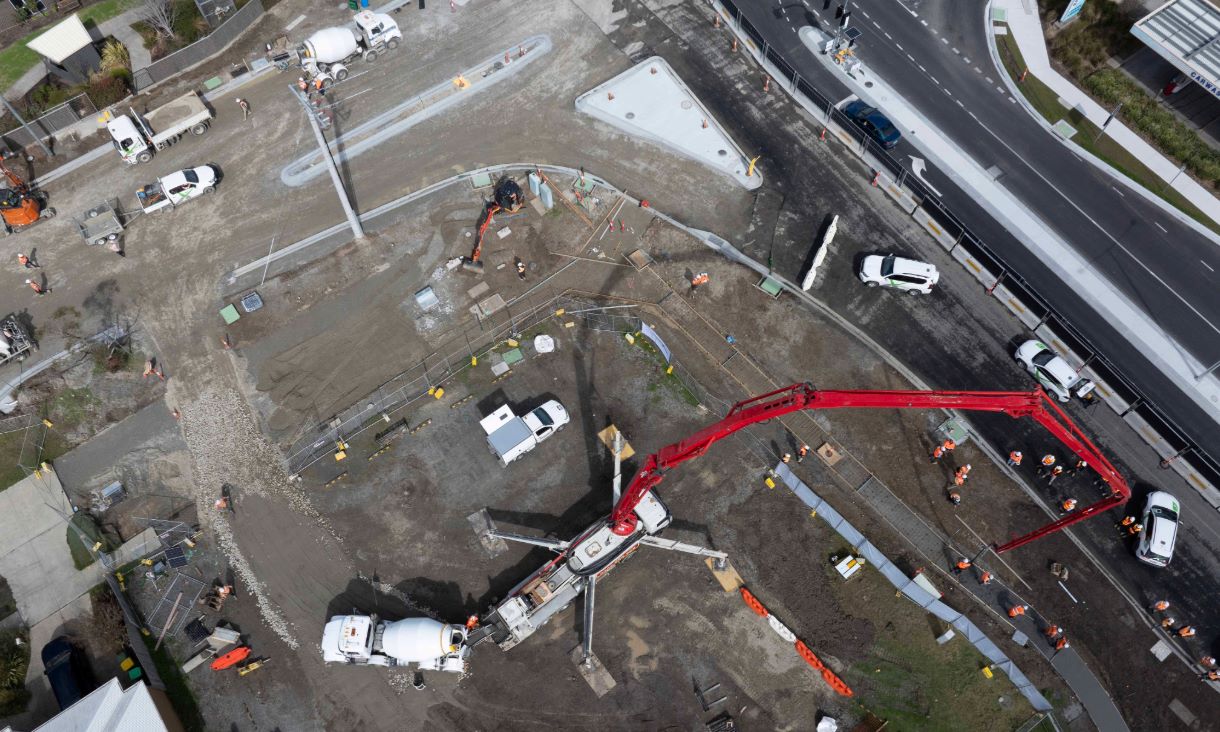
{"x":510,"y":436}
{"x":1160,"y":529}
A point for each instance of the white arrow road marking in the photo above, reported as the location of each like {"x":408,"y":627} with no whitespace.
{"x":917,"y":167}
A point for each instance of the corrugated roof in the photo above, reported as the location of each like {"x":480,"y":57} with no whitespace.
{"x":63,"y":40}
{"x":110,"y":708}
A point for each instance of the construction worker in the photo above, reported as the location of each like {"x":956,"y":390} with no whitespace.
{"x":26,"y":262}
{"x":472,"y":622}
{"x":1212,"y":675}
{"x":939,"y":451}
{"x":318,"y":84}
{"x":1135,"y":529}
{"x":1052,"y":631}
{"x":1079,"y":466}
{"x":1068,"y":505}
{"x":801,"y":452}
{"x":962,"y":565}
{"x":245,"y":108}
{"x":149,"y":369}
{"x":520,"y":269}
{"x":1016,"y":611}
{"x":1187,"y":632}
{"x":985,"y":578}
{"x":1125,"y":524}
{"x":701,"y":278}
{"x":302,"y":85}
{"x":787,"y":458}
{"x":1208,"y":662}
{"x":1159,"y":606}
{"x":1055,"y":472}
{"x":222,"y":504}
{"x":1062,"y":643}
{"x":963,"y":472}
{"x":37,"y":288}
{"x":1168,"y":623}
{"x":1014,"y":458}
{"x":959,"y":480}
{"x":1048,"y":461}
{"x":955,"y":497}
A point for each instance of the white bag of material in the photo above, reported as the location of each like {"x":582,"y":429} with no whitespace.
{"x":544,"y":344}
{"x":828,"y":724}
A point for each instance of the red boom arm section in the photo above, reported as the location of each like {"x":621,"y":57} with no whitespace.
{"x":1035,"y":404}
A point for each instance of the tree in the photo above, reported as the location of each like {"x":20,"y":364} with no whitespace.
{"x":160,"y":16}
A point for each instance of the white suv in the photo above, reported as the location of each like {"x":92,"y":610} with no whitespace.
{"x":1052,"y":372}
{"x":890,"y":270}
{"x":1160,"y":529}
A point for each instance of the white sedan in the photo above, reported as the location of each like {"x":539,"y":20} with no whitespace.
{"x":1052,"y":372}
{"x":890,"y":270}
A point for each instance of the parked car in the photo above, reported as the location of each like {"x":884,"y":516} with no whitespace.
{"x":1160,"y":529}
{"x":1176,"y":84}
{"x":60,"y":666}
{"x":1052,"y":372}
{"x":873,"y":122}
{"x":890,"y":270}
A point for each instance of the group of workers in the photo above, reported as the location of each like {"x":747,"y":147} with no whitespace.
{"x":1170,"y":625}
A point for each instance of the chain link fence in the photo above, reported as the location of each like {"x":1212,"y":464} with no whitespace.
{"x":46,"y":125}
{"x":1185,"y":447}
{"x":235,"y":23}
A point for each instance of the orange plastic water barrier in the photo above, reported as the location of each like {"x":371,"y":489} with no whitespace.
{"x":803,"y":650}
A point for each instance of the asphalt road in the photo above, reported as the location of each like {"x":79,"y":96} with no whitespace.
{"x":943,"y":67}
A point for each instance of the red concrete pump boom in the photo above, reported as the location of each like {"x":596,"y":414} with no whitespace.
{"x":1035,"y":404}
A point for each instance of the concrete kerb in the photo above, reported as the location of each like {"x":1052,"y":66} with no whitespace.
{"x":1131,"y":185}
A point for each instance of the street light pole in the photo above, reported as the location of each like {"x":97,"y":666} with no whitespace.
{"x":352,"y":219}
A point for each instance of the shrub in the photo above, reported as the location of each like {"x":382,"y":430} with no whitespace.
{"x":115,"y":56}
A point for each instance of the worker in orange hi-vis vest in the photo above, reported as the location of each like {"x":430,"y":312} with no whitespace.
{"x":1159,"y":606}
{"x":1014,"y":458}
{"x":962,"y":565}
{"x":1062,"y":643}
{"x":1052,"y":631}
{"x":1048,"y":462}
{"x":1068,"y":505}
{"x":1016,"y":611}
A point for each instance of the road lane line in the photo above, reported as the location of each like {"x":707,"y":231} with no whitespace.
{"x":888,"y":36}
{"x":989,"y":79}
{"x":922,"y":69}
{"x":1014,"y":101}
{"x":944,"y":41}
{"x":1205,"y":264}
{"x":1000,"y":89}
{"x":977,"y":70}
{"x":924,"y":23}
{"x":1162,"y":228}
{"x":911,"y":58}
{"x":965,"y":59}
{"x":898,"y":47}
{"x":934,"y":81}
{"x":864,"y":13}
{"x":959,"y":53}
{"x":963,"y":106}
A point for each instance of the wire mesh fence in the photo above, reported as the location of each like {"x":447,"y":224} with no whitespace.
{"x":234,"y":24}
{"x":47,"y":124}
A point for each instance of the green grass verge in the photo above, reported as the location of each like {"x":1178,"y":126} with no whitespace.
{"x":82,"y":546}
{"x":18,"y":58}
{"x":16,"y":447}
{"x":1046,"y":101}
{"x":176,"y":687}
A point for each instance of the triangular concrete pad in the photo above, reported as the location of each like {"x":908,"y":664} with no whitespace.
{"x":650,"y":102}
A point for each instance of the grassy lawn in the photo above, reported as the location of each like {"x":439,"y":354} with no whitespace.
{"x":1046,"y":101}
{"x":176,"y":687}
{"x":82,"y":548}
{"x":18,"y":59}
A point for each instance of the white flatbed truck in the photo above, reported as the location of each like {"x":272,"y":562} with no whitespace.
{"x":136,"y":137}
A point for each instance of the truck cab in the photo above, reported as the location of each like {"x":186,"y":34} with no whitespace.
{"x":509,"y":436}
{"x":377,"y":30}
{"x":128,"y":140}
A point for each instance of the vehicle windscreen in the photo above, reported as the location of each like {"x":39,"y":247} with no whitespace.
{"x":887,"y":130}
{"x":887,"y":266}
{"x":543,"y":417}
{"x":1042,"y":358}
{"x":1162,"y":513}
{"x":190,"y":176}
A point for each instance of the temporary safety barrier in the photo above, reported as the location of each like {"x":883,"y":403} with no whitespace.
{"x":802,"y":650}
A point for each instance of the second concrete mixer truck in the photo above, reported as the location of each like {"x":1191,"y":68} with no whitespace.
{"x":327,"y":52}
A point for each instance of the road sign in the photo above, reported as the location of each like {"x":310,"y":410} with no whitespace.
{"x":1071,"y":11}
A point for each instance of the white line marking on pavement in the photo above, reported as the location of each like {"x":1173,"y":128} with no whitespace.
{"x":898,"y":47}
{"x":887,"y":35}
{"x":959,"y":103}
{"x":912,"y":12}
{"x":945,"y":41}
{"x":922,"y":69}
{"x":1205,"y":264}
{"x":295,"y":22}
{"x":1162,"y":228}
{"x":1014,"y":101}
{"x":977,"y":70}
{"x":1000,"y":89}
{"x":933,"y":31}
{"x":910,"y":58}
{"x":946,"y":91}
{"x":934,"y":81}
{"x":989,"y":80}
{"x":864,"y":13}
{"x":959,"y":53}
{"x":965,"y":59}
{"x":924,"y":23}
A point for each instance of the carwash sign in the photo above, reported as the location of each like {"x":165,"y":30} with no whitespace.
{"x":1203,"y":82}
{"x":1071,"y":11}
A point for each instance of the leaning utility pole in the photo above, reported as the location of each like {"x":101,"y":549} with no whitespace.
{"x":26,"y":125}
{"x":352,"y":219}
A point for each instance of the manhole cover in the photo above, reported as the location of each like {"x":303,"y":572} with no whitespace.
{"x":631,"y":115}
{"x":868,"y":85}
{"x":686,"y":104}
{"x":722,"y":152}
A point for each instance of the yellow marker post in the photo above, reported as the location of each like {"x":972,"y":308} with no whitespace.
{"x":559,"y":312}
{"x":770,"y":483}
{"x":813,"y":514}
{"x":48,"y":422}
{"x":630,"y":338}
{"x":512,"y":343}
{"x":987,"y":672}
{"x":439,"y":393}
{"x":474,"y":360}
{"x":669,"y":370}
{"x":750,"y":170}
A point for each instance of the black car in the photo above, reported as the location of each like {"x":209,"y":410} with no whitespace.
{"x":62,"y":670}
{"x":872,"y":121}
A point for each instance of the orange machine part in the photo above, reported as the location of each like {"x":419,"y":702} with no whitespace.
{"x":232,"y":658}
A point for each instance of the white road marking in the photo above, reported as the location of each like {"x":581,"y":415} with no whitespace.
{"x":1205,"y":264}
{"x":864,"y":13}
{"x":934,"y":81}
{"x":959,"y":103}
{"x":887,"y":35}
{"x":946,"y":91}
{"x":977,"y":70}
{"x":1000,"y":89}
{"x":965,"y":59}
{"x":1014,"y":101}
{"x":989,"y":79}
{"x":898,"y":47}
{"x":295,"y":22}
{"x":1117,"y":191}
{"x":922,"y":69}
{"x":924,"y":22}
{"x":912,"y":12}
{"x":1162,"y":228}
{"x":959,"y":53}
{"x":945,"y":41}
{"x":910,"y":58}
{"x":933,"y":31}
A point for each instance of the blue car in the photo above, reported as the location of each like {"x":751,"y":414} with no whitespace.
{"x":873,"y":122}
{"x":61,"y":668}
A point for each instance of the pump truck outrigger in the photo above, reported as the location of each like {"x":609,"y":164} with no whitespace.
{"x":639,"y":514}
{"x":507,"y":197}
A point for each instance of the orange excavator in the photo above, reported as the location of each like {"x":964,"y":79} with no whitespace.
{"x":508,"y":197}
{"x":21,"y":205}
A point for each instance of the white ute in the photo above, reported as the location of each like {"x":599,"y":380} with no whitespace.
{"x":176,"y":189}
{"x":1052,"y":372}
{"x":510,"y":436}
{"x":890,"y":270}
{"x":364,"y":640}
{"x":136,"y":137}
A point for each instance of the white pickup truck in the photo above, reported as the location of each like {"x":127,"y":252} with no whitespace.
{"x":136,"y":137}
{"x":176,"y":189}
{"x":510,"y":436}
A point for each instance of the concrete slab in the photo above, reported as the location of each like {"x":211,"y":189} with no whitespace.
{"x":651,"y":102}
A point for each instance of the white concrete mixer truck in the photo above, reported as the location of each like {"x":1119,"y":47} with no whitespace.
{"x":364,"y":640}
{"x":326,"y":53}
